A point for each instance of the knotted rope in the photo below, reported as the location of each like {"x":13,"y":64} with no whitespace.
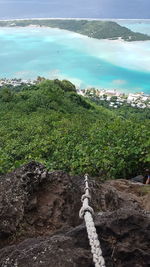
{"x":87,"y":213}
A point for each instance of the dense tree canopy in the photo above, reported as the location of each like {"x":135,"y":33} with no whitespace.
{"x":49,"y":122}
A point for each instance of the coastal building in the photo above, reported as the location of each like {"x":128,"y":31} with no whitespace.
{"x":116,"y":99}
{"x":113,"y":97}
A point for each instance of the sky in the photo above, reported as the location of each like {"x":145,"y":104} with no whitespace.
{"x":75,"y":8}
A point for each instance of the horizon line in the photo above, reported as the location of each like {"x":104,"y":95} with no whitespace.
{"x":60,"y":18}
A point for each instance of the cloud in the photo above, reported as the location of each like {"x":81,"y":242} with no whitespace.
{"x":77,"y":8}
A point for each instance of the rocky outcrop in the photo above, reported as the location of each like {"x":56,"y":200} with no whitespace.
{"x":40,"y":226}
{"x":33,"y":201}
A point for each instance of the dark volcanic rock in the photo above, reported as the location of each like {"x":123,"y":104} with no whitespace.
{"x":124,"y":240}
{"x":40,"y":226}
{"x":33,"y":201}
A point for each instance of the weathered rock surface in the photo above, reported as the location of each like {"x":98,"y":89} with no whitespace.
{"x":40,"y":226}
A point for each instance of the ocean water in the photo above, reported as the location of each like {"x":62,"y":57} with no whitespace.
{"x":28,"y":52}
{"x":142,"y":26}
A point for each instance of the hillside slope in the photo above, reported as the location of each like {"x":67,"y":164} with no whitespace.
{"x":51,"y":123}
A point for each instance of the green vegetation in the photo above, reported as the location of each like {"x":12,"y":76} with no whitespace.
{"x":125,"y":110}
{"x":49,"y":122}
{"x":96,"y":29}
{"x":144,"y":190}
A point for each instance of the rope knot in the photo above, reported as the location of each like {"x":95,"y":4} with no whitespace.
{"x":86,"y":188}
{"x":83,"y":210}
{"x":85,"y":196}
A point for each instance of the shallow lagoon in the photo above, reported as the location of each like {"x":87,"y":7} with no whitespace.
{"x":137,"y":25}
{"x":53,"y":53}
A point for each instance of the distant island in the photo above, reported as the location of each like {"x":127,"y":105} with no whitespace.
{"x":91,"y":28}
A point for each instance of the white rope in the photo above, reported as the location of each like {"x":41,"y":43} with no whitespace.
{"x":86,"y":212}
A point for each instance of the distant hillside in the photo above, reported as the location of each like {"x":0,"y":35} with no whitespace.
{"x":94,"y":29}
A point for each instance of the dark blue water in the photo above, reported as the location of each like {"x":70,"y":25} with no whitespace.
{"x":74,"y":8}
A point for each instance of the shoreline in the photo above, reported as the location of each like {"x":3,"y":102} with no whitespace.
{"x":32,"y":26}
{"x":114,"y":97}
{"x":37,"y":25}
{"x":76,"y":33}
{"x":117,"y":91}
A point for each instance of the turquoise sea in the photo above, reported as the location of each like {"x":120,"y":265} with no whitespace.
{"x":28,"y":52}
{"x":137,"y":25}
